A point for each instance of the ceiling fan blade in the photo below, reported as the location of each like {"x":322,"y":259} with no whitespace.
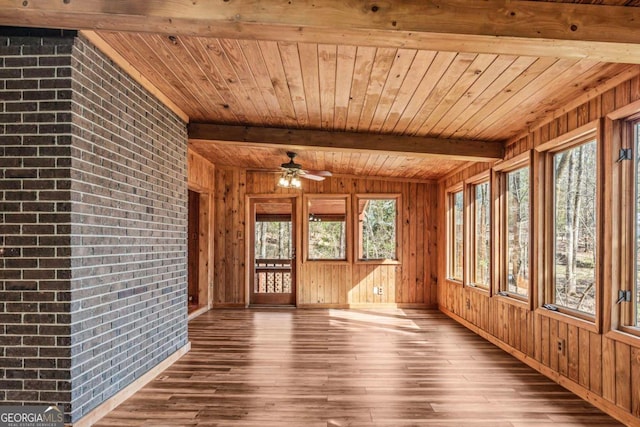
{"x":312,"y":177}
{"x":319,"y":173}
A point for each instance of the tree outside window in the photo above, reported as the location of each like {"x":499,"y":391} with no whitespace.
{"x":377,"y":228}
{"x":517,"y":231}
{"x":575,"y":227}
{"x":456,"y":244}
{"x":481,"y":234}
{"x":327,"y":231}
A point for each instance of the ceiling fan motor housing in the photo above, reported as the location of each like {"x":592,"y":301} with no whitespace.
{"x":291,"y":164}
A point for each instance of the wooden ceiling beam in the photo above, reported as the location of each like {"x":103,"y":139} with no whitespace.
{"x":295,"y":139}
{"x":520,"y":27}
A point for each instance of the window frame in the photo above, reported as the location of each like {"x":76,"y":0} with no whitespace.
{"x":450,"y":231}
{"x":307,"y":198}
{"x":500,"y":233}
{"x":628,"y":234}
{"x":471,"y":185}
{"x":356,"y":227}
{"x":546,"y":200}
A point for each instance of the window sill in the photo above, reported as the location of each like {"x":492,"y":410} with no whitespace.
{"x":454,"y":281}
{"x":480,"y":289}
{"x":589,"y":325}
{"x":629,"y":338}
{"x":327,"y":261}
{"x":513,"y":300}
{"x":378,"y":262}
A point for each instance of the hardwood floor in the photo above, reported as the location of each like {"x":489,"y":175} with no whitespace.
{"x":357,"y":368}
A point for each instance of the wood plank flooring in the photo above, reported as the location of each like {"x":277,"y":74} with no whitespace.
{"x":357,"y":368}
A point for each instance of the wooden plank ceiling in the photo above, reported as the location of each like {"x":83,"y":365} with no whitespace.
{"x":354,"y":88}
{"x":474,"y":71}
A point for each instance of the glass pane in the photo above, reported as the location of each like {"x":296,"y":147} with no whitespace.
{"x":458,"y":236}
{"x":273,"y":231}
{"x":377,"y":228}
{"x":327,"y":229}
{"x":637,"y":290}
{"x":482,"y":234}
{"x":575,"y":227}
{"x":518,"y":231}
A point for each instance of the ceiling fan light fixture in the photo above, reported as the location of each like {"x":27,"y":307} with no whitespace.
{"x":290,"y":178}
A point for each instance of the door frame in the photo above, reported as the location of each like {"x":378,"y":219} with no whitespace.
{"x":205,"y":249}
{"x":296,"y":206}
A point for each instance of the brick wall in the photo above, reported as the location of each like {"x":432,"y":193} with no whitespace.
{"x":129,"y":230}
{"x":93,"y":284}
{"x":35,"y":147}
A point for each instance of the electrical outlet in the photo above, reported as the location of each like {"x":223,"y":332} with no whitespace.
{"x":380,"y":290}
{"x":561,"y":345}
{"x":468,"y":304}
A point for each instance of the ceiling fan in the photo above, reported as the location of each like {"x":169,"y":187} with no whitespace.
{"x":292,"y":172}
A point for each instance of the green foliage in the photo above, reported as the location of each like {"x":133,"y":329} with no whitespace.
{"x":379,"y":229}
{"x":273,"y":240}
{"x":327,"y":240}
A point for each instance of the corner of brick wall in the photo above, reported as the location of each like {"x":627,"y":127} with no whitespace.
{"x":93,"y":225}
{"x":35,"y":141}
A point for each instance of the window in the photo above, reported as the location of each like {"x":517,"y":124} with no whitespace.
{"x":629,"y":294}
{"x":574,"y":230}
{"x":515,"y":230}
{"x":326,"y":227}
{"x":635,"y":298}
{"x":377,"y":227}
{"x":455,"y":243}
{"x":481,"y":234}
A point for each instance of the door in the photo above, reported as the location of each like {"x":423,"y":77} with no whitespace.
{"x":193,"y":241}
{"x":273,"y":258}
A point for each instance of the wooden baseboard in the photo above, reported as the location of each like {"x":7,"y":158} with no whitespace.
{"x":108,"y":405}
{"x":228,"y":305}
{"x":306,"y":306}
{"x":363,"y":306}
{"x":399,"y":305}
{"x":197,"y":313}
{"x":577,"y":389}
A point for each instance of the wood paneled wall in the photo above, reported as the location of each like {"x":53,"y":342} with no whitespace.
{"x":599,"y":366}
{"x":321,"y":284}
{"x":200,"y":178}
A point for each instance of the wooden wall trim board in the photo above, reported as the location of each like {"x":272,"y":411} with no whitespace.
{"x":569,"y":137}
{"x":604,"y":33}
{"x":198,"y":312}
{"x":567,"y":383}
{"x":628,"y":110}
{"x":119,"y":60}
{"x":229,"y":305}
{"x":296,"y":139}
{"x":388,"y":179}
{"x":369,"y":177}
{"x":200,"y":178}
{"x":108,"y":405}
